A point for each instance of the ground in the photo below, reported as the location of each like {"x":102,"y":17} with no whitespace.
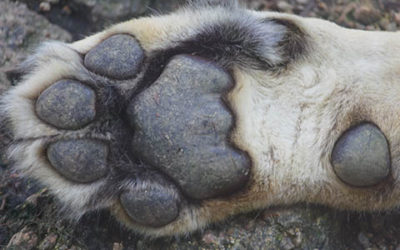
{"x":29,"y":218}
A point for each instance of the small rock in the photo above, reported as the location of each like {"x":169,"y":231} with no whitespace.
{"x":384,"y":23}
{"x":117,"y":246}
{"x":322,"y":6}
{"x":391,"y":27}
{"x":33,"y":199}
{"x":287,"y":244}
{"x":304,"y":2}
{"x":66,"y":10}
{"x":298,"y":239}
{"x":388,"y":25}
{"x":396,"y":18}
{"x":21,"y":30}
{"x":63,"y":247}
{"x":25,"y":239}
{"x":44,"y":6}
{"x":363,"y":239}
{"x":237,"y":246}
{"x":210,"y":238}
{"x":48,"y":242}
{"x":367,"y":14}
{"x":284,"y":6}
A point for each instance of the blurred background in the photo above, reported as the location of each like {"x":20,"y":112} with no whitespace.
{"x":29,"y":218}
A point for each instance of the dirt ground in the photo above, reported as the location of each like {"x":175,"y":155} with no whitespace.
{"x":29,"y":218}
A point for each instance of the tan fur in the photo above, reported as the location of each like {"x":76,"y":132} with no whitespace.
{"x":287,"y":122}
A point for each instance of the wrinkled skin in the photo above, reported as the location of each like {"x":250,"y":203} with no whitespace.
{"x":185,"y":119}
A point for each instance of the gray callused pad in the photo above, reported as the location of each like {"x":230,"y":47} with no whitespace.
{"x":181,"y":126}
{"x":361,"y":156}
{"x":79,"y":160}
{"x":67,"y":104}
{"x":117,"y":57}
{"x":151,"y":206}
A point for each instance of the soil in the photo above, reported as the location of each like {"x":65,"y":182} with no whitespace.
{"x":29,"y":215}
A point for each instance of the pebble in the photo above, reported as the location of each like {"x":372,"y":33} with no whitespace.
{"x":284,"y":6}
{"x":44,"y":6}
{"x":367,"y":14}
{"x":48,"y":242}
{"x":363,"y":239}
{"x":25,"y":239}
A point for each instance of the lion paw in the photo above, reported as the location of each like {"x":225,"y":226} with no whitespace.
{"x":176,"y":121}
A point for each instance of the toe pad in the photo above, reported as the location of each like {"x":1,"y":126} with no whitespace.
{"x":118,"y":57}
{"x":81,"y":160}
{"x":67,"y":104}
{"x":151,"y":206}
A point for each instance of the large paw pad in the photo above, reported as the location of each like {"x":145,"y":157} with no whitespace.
{"x":182,"y":125}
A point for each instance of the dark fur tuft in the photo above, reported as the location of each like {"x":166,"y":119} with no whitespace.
{"x":241,"y":40}
{"x":235,"y":42}
{"x":294,"y":43}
